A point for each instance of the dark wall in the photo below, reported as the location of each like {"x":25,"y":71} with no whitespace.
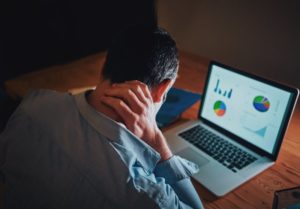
{"x":259,"y":36}
{"x":40,"y":33}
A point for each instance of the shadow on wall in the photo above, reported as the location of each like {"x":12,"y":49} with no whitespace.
{"x":258,"y":36}
{"x":36,"y":34}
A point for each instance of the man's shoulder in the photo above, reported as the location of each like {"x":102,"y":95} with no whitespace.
{"x":39,"y":103}
{"x":44,"y":97}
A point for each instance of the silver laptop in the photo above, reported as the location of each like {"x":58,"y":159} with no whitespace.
{"x":240,"y":128}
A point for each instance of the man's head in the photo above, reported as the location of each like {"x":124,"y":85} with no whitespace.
{"x":142,"y":53}
{"x":141,"y":66}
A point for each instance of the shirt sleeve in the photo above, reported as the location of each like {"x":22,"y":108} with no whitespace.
{"x":16,"y":127}
{"x":168,"y":185}
{"x":177,"y":171}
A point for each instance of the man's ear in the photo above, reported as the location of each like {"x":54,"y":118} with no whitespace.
{"x":161,"y":89}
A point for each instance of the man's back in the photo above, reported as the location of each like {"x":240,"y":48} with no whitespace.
{"x":63,"y":158}
{"x":58,"y":152}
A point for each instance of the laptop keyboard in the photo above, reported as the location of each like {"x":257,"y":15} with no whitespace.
{"x":221,"y":150}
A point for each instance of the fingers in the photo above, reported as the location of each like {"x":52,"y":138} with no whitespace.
{"x":127,"y":96}
{"x":135,"y":93}
{"x":141,"y":86}
{"x":120,"y":108}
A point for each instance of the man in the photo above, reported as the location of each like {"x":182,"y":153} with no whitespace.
{"x":101,"y":148}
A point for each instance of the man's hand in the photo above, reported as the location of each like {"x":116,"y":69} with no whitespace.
{"x":132,"y":101}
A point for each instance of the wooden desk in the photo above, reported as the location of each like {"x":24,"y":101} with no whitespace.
{"x":257,"y":193}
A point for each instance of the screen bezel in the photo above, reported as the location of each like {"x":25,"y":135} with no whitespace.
{"x":287,"y":116}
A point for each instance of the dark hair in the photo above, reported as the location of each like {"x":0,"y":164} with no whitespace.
{"x":147,"y":54}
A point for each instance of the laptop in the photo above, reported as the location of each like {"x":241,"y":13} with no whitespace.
{"x":241,"y":124}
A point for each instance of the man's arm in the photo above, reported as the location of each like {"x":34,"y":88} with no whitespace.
{"x":132,"y":101}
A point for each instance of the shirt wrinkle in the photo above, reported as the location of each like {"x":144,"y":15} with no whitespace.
{"x":117,"y":133}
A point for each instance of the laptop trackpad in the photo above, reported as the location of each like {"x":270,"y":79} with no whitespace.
{"x":193,"y":156}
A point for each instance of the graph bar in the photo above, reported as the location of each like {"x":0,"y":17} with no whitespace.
{"x":217,"y":85}
{"x":229,"y":94}
{"x":221,"y":91}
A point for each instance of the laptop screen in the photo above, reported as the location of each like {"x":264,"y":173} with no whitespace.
{"x":247,"y":108}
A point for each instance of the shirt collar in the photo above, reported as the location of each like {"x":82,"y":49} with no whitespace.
{"x":117,"y":133}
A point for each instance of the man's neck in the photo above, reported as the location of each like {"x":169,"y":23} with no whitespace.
{"x":94,"y":100}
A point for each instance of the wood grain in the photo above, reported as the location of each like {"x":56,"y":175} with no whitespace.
{"x":254,"y":194}
{"x":79,"y":74}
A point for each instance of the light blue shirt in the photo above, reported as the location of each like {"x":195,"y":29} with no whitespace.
{"x":59,"y":152}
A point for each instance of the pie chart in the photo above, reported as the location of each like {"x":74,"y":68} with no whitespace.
{"x":261,"y":103}
{"x":219,"y":108}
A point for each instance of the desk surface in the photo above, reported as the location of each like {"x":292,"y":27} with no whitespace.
{"x":256,"y":193}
